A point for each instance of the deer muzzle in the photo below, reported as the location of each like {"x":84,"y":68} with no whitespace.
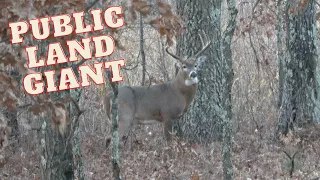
{"x":193,"y":75}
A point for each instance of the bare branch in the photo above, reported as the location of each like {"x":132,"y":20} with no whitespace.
{"x":250,"y":36}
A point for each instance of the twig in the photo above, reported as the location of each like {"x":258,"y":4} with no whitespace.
{"x":291,"y":162}
{"x":135,"y":66}
{"x":250,"y":37}
{"x":23,"y":106}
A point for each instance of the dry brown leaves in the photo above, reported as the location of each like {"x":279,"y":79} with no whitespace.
{"x":298,"y":6}
{"x":167,"y":24}
{"x":60,"y":118}
{"x":140,"y":6}
{"x":8,"y":91}
{"x":12,"y":11}
{"x":59,"y":114}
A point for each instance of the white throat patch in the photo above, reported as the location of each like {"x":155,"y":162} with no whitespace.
{"x":190,"y":82}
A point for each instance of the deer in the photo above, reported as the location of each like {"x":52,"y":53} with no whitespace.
{"x":159,"y":103}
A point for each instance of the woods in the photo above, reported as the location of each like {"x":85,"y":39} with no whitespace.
{"x":223,"y":89}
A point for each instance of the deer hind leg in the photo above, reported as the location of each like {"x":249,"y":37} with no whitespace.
{"x":125,"y":123}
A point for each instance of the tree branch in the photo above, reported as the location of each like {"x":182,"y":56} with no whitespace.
{"x":250,"y":37}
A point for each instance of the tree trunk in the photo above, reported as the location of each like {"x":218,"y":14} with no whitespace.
{"x":226,"y":117}
{"x":143,"y":56}
{"x":210,"y":115}
{"x":200,"y":123}
{"x":203,"y":122}
{"x":12,"y":115}
{"x":281,"y":55}
{"x":115,"y":134}
{"x":56,"y":158}
{"x":299,"y":88}
{"x":77,"y":154}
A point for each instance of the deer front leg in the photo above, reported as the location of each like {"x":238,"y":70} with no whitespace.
{"x":168,"y":130}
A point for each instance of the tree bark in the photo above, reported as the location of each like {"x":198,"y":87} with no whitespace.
{"x":143,"y":56}
{"x":210,"y":115}
{"x":12,"y":115}
{"x":227,"y":119}
{"x":281,"y":55}
{"x":115,"y":134}
{"x":77,"y":153}
{"x":58,"y":152}
{"x":56,"y":157}
{"x":299,"y":86}
{"x":200,"y":123}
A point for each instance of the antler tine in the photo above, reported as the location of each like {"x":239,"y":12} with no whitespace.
{"x":204,"y":34}
{"x":204,"y":46}
{"x":174,"y":56}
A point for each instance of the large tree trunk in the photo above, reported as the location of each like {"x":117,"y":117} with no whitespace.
{"x":57,"y":154}
{"x":210,"y":115}
{"x":58,"y":151}
{"x":298,"y":85}
{"x":201,"y":124}
{"x":203,"y":121}
{"x":57,"y":157}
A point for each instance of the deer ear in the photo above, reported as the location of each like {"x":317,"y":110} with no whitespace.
{"x":201,"y":59}
{"x":8,"y":130}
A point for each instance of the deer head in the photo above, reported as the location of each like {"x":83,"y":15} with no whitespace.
{"x":163,"y":102}
{"x":188,"y":68}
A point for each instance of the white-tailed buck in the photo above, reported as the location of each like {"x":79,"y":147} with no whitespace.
{"x":161,"y":102}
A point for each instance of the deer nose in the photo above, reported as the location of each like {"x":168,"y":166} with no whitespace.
{"x":193,"y":74}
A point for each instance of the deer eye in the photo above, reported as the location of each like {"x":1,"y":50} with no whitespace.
{"x":195,"y":66}
{"x":184,"y":66}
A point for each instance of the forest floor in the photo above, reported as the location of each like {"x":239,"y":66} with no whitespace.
{"x":256,"y":156}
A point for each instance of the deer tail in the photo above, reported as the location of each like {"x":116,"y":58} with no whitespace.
{"x":107,"y":103}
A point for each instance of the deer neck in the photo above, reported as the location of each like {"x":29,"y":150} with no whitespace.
{"x":179,"y":85}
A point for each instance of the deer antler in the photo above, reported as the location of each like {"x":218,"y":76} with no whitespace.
{"x":204,"y":46}
{"x":174,"y":56}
